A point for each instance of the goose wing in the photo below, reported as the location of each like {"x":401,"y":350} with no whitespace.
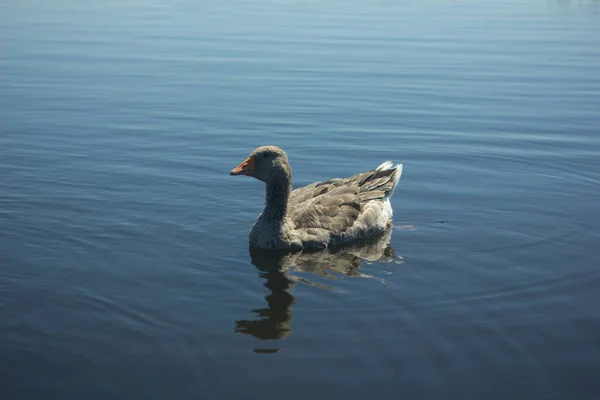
{"x":336,"y":204}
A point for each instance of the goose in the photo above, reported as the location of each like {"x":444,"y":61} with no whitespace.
{"x":320,"y":215}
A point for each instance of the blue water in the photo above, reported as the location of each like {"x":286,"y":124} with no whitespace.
{"x":125,"y":269}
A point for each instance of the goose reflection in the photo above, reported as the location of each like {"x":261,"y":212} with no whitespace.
{"x":276,"y":267}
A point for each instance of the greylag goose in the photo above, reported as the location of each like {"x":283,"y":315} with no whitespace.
{"x":322,"y":214}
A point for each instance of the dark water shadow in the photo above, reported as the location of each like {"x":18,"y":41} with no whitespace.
{"x":277,"y":269}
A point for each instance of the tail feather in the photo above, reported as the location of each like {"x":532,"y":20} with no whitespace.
{"x":388,"y":165}
{"x":385,"y":166}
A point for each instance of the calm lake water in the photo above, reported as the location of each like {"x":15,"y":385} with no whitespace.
{"x":125,"y":268}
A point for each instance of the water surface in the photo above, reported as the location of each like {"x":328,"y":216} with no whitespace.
{"x":125,"y":268}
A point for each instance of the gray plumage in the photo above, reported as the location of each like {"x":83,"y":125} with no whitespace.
{"x":321,"y":214}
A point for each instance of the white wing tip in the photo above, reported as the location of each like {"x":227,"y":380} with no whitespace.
{"x":385,"y":166}
{"x":399,"y":167}
{"x":390,"y":165}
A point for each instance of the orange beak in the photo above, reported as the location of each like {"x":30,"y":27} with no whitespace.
{"x":245,"y":168}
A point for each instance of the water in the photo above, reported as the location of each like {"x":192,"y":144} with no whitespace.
{"x":125,"y":268}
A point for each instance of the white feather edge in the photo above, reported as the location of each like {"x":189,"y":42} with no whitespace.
{"x":387,"y":206}
{"x":388,"y":165}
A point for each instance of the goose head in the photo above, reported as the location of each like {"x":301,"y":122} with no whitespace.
{"x":266,"y":163}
